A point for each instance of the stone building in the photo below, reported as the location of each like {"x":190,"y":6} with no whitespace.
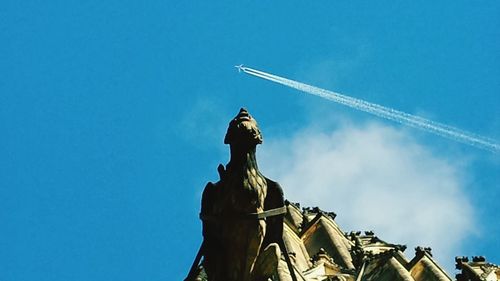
{"x":320,"y":250}
{"x":252,"y":234}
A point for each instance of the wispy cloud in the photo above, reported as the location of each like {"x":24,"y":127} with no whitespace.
{"x":376,"y":178}
{"x":200,"y":125}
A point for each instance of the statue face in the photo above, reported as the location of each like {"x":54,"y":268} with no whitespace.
{"x":243,"y":130}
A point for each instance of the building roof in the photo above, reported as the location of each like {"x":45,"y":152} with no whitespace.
{"x":320,"y":250}
{"x":477,"y":269}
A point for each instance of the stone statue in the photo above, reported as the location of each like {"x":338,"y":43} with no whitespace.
{"x":242,"y":213}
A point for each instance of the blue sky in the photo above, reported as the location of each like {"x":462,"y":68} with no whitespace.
{"x":113,"y":116}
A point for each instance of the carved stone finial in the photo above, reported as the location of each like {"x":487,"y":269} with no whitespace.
{"x":478,"y":259}
{"x":401,"y":248}
{"x":369,"y":232}
{"x":460,"y":260}
{"x":422,"y":250}
{"x":332,"y":215}
{"x":321,"y":256}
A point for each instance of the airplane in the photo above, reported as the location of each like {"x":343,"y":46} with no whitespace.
{"x":239,"y":67}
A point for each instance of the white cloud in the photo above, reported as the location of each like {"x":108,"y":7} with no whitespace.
{"x":376,"y":178}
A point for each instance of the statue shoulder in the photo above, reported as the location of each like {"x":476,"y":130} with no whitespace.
{"x":210,"y":185}
{"x":209,"y":194}
{"x":274,"y":186}
{"x":210,"y":188}
{"x":274,"y":193}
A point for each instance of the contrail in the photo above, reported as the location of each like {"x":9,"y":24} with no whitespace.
{"x":382,"y":111}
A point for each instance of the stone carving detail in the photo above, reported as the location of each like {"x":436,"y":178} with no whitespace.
{"x":321,"y":255}
{"x":477,"y":269}
{"x":243,"y":217}
{"x":239,"y":245}
{"x":421,"y":250}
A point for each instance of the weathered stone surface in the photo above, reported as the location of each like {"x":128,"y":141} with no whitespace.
{"x":238,"y":245}
{"x":477,"y":269}
{"x":239,"y":248}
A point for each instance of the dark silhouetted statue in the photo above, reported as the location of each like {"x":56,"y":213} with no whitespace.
{"x":242,"y":213}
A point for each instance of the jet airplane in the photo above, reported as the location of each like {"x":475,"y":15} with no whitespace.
{"x":239,"y":67}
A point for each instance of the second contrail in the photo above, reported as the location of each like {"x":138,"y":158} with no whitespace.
{"x":382,"y":111}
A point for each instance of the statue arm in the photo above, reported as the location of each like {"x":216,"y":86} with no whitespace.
{"x":274,"y":199}
{"x":207,"y":201}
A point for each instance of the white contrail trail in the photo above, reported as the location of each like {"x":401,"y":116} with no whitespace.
{"x":382,"y":111}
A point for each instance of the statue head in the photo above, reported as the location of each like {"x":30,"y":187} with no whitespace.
{"x":243,"y":131}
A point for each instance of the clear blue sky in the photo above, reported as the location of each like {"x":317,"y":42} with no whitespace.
{"x":113,"y":113}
